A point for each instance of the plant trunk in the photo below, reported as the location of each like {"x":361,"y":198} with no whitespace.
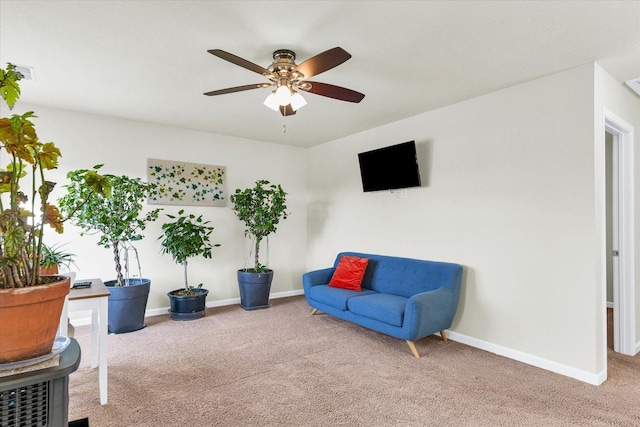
{"x":28,"y":279}
{"x":257,"y":260}
{"x":186,"y":282}
{"x":116,"y":259}
{"x":15,"y":274}
{"x":7,"y":273}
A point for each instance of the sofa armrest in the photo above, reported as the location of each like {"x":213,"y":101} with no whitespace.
{"x":317,"y":277}
{"x":429,"y":312}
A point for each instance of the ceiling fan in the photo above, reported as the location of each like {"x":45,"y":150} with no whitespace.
{"x":287,"y":78}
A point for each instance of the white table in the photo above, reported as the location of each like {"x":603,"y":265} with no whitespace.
{"x":96,"y":299}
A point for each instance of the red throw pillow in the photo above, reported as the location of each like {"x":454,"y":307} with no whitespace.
{"x":349,"y":273}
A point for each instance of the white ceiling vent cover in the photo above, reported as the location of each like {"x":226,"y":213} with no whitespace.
{"x":634,"y":84}
{"x":27,"y":71}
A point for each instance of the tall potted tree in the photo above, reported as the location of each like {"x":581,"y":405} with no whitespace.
{"x":30,"y":304}
{"x":261,"y":208}
{"x":119,"y":220}
{"x":184,"y":237}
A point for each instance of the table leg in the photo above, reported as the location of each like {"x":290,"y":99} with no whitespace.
{"x":95,"y":344}
{"x":63,"y":329}
{"x":102,"y":372}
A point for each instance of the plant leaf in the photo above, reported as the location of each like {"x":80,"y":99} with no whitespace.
{"x":13,"y":240}
{"x":9,"y":88}
{"x":49,"y":155}
{"x":53,"y":217}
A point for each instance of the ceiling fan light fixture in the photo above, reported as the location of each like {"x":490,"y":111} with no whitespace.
{"x":297,"y":101}
{"x":283,"y":95}
{"x":272,"y":101}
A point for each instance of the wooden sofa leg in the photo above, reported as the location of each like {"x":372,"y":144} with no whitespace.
{"x":413,"y":348}
{"x":443,"y":334}
{"x":314,"y":311}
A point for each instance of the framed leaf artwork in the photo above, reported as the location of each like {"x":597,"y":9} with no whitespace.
{"x":189,"y":184}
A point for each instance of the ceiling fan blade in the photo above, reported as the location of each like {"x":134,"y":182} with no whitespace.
{"x":322,"y":62}
{"x":335,"y":92}
{"x":238,"y":61}
{"x":237,"y":89}
{"x":287,"y":110}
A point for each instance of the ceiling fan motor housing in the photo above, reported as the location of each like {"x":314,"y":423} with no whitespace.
{"x":284,"y":54}
{"x":283,"y":65}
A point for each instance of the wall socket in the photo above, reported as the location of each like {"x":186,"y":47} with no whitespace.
{"x":399,"y":194}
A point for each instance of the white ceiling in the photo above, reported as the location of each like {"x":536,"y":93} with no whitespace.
{"x":148,"y":60}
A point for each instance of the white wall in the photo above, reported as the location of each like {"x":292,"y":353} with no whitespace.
{"x":123,"y":146}
{"x":508,"y":193}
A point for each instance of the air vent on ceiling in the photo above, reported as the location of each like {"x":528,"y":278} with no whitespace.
{"x":27,"y":72}
{"x":634,"y":84}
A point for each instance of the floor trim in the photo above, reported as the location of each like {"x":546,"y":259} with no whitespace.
{"x":82,"y":321}
{"x":539,"y":362}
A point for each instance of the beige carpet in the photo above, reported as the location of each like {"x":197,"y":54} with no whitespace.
{"x":283,"y":367}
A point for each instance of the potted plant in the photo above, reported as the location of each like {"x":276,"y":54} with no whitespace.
{"x":30,"y":304}
{"x":119,"y":220}
{"x":185,"y":237}
{"x":261,"y":208}
{"x":54,"y":257}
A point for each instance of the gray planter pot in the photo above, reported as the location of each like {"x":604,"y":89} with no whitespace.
{"x":254,"y":289}
{"x":127,"y":305}
{"x":188,"y":307}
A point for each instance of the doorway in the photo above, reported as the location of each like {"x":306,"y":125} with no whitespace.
{"x":611,"y":142}
{"x":619,"y":231}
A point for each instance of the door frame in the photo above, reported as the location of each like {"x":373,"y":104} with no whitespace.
{"x":624,"y":288}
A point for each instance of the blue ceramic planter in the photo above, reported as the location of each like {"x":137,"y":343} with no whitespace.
{"x":127,"y":305}
{"x":189,"y":307}
{"x":254,"y":289}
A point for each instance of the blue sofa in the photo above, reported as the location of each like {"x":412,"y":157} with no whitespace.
{"x":402,"y":297}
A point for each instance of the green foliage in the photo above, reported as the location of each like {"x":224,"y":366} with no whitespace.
{"x":24,"y":212}
{"x":260,"y":208}
{"x":116,"y":213}
{"x":9,"y":87}
{"x":185,"y":237}
{"x":54,"y":255}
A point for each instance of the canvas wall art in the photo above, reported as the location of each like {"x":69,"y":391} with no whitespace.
{"x":182,"y":183}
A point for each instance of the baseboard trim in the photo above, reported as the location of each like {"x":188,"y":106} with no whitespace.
{"x":82,"y":321}
{"x":539,"y":362}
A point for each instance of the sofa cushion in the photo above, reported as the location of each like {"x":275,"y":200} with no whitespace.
{"x":335,"y":297}
{"x":349,"y":273}
{"x":386,"y":308}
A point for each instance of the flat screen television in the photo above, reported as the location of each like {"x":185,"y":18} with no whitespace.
{"x":390,"y":167}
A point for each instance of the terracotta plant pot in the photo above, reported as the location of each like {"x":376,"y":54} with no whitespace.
{"x":49,"y":270}
{"x":29,"y":319}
